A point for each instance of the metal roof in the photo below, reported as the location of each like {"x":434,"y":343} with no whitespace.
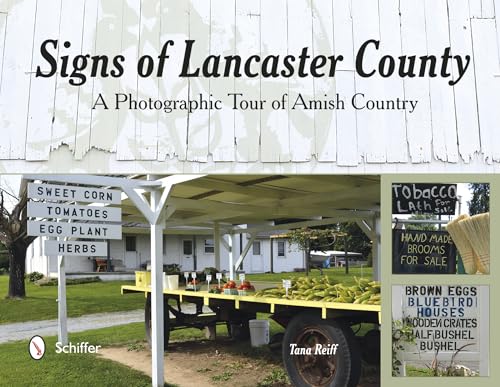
{"x":260,"y":201}
{"x":266,"y":199}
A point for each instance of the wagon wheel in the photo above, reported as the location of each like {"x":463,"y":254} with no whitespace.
{"x":321,"y":370}
{"x":166,"y":321}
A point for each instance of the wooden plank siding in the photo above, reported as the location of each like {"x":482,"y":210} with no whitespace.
{"x":452,"y":125}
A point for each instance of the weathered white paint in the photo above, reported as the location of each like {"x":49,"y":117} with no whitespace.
{"x":221,"y":130}
{"x":199,"y":120}
{"x":15,"y":93}
{"x":44,"y":118}
{"x":247,"y":125}
{"x":325,"y":123}
{"x":300,"y":122}
{"x":444,"y":133}
{"x":418,"y":123}
{"x":371,"y":132}
{"x":127,"y":120}
{"x":393,"y":124}
{"x":347,"y":135}
{"x":274,"y":134}
{"x":486,"y":64}
{"x":3,"y":28}
{"x":465,"y":91}
{"x":47,"y":23}
{"x":172,"y":131}
{"x":86,"y":91}
{"x":104,"y":127}
{"x":66,"y":96}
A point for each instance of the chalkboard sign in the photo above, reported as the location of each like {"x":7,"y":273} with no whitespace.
{"x":423,"y":252}
{"x":436,"y":199}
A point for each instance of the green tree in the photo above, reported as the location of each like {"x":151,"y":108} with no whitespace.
{"x":308,"y":239}
{"x":357,"y":240}
{"x":480,"y":200}
{"x":13,"y":235}
{"x":422,"y":226}
{"x":339,"y":236}
{"x":4,"y":259}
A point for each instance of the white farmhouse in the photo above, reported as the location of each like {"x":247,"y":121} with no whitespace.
{"x":191,"y":249}
{"x":230,"y":222}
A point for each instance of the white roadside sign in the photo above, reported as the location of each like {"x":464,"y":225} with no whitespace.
{"x":76,"y":248}
{"x":74,"y":212}
{"x":75,"y":230}
{"x":72,"y":193}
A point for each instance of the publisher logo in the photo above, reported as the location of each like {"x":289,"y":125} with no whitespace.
{"x":36,"y":347}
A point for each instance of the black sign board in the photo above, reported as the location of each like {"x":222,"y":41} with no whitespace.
{"x":423,"y":252}
{"x":437,"y":199}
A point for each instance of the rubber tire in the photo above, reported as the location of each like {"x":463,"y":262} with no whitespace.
{"x":348,"y":355}
{"x":147,"y":322}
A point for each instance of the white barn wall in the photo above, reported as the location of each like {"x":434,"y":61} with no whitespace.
{"x":45,"y":120}
{"x":35,"y":261}
{"x":294,"y":258}
{"x":76,"y":264}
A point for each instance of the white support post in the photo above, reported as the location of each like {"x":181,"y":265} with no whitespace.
{"x":157,"y":332}
{"x":217,"y":245}
{"x":62,"y":329}
{"x":376,"y":249}
{"x":225,"y":243}
{"x":368,"y":229}
{"x":231,"y":257}
{"x":245,"y":251}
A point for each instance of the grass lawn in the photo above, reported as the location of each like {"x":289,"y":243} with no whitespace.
{"x":17,"y":368}
{"x":335,"y":275}
{"x":40,"y":302}
{"x":415,"y":371}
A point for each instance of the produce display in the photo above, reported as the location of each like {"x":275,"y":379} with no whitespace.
{"x":216,"y":290}
{"x":245,"y":288}
{"x":193,"y":284}
{"x":231,"y":287}
{"x":320,"y":289}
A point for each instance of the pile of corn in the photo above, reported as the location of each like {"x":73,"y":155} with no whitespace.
{"x":320,"y":289}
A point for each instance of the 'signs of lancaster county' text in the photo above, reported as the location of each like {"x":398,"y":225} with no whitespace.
{"x":237,"y":101}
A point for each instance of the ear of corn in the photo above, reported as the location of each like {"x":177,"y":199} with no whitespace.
{"x":303,"y":288}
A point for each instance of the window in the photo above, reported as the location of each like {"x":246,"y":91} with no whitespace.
{"x":256,"y":248}
{"x":209,"y":246}
{"x":187,"y":247}
{"x":281,"y":248}
{"x":130,"y":242}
